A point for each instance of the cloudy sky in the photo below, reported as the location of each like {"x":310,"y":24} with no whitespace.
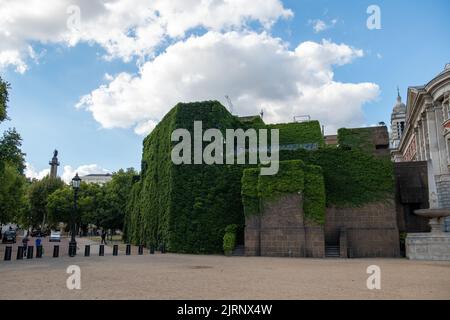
{"x":93,"y":77}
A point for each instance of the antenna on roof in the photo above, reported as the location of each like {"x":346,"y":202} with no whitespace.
{"x":230,"y":104}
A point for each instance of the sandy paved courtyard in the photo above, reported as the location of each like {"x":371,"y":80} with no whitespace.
{"x":173,"y":276}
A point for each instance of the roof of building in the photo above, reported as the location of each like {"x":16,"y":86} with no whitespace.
{"x":249,"y":118}
{"x":98,"y":175}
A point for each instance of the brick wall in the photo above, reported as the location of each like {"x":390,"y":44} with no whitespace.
{"x":373,"y":215}
{"x":252,"y":236}
{"x":280,"y":231}
{"x":314,"y":242}
{"x":371,"y":230}
{"x":373,"y":242}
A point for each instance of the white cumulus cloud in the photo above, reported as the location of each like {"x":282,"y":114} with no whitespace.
{"x":124,"y":28}
{"x":68,"y":171}
{"x":255,"y":69}
{"x":320,"y":25}
{"x":32,"y":173}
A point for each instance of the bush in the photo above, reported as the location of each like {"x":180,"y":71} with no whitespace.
{"x":229,"y":239}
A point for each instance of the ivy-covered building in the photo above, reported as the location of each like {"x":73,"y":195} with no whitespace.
{"x":331,"y":196}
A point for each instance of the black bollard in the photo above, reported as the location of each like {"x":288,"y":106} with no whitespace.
{"x":141,"y":250}
{"x":8,"y":253}
{"x":39,"y":251}
{"x":30,"y":252}
{"x":163,"y":248}
{"x":115,"y":250}
{"x":19,"y":253}
{"x":101,"y":250}
{"x":152,"y":249}
{"x":87,"y":250}
{"x":128,"y":250}
{"x":55,"y":251}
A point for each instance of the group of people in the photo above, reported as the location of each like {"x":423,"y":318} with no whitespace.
{"x":38,"y":241}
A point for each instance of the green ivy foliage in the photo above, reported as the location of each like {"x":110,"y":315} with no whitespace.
{"x":357,"y":138}
{"x":186,"y":207}
{"x":249,"y":191}
{"x":229,"y":239}
{"x":293,"y":177}
{"x":299,"y":132}
{"x":290,"y":179}
{"x":314,"y":196}
{"x":352,"y":177}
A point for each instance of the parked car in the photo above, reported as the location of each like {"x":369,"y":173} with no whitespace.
{"x":39,"y":233}
{"x":9,"y":236}
{"x":55,"y":236}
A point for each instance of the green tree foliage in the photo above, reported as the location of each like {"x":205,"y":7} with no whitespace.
{"x":60,"y":205}
{"x":103,"y":206}
{"x":39,"y":193}
{"x":10,"y":150}
{"x":4,"y":87}
{"x":12,"y":194}
{"x":13,"y":201}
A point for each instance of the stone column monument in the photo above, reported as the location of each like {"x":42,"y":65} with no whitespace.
{"x":54,"y":163}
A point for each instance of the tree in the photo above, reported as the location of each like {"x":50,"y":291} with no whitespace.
{"x":117,"y":193}
{"x":39,"y":193}
{"x":10,"y":150}
{"x":60,"y":206}
{"x":12,"y":194}
{"x":4,"y":98}
{"x":104,"y":206}
{"x":12,"y":166}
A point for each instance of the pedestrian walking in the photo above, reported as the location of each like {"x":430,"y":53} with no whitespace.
{"x":103,"y":237}
{"x":25,"y":244}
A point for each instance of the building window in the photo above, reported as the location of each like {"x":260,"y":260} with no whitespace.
{"x":448,"y":151}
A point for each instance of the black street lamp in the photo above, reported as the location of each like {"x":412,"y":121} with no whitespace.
{"x":73,"y":243}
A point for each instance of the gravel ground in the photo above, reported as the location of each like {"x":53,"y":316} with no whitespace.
{"x":174,"y":276}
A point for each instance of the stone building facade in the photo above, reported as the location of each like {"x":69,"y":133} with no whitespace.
{"x":426,"y":136}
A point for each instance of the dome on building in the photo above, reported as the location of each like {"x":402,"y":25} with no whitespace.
{"x":399,"y":107}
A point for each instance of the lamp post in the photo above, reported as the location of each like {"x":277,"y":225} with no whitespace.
{"x":73,"y":243}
